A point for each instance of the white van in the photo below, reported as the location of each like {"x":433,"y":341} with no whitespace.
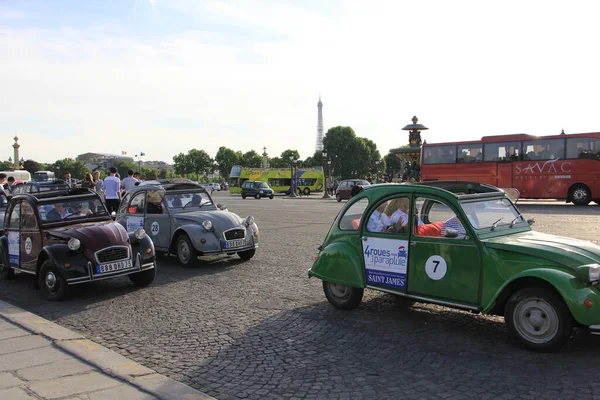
{"x":20,"y":175}
{"x":43,"y":176}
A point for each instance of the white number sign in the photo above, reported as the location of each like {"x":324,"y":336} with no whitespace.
{"x":28,"y":245}
{"x":436,"y":267}
{"x":155,"y":228}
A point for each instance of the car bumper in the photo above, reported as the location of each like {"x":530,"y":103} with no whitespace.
{"x":595,"y":329}
{"x":138,"y":266}
{"x":251,"y":244}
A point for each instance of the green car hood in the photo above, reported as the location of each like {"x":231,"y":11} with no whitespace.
{"x":557,"y":249}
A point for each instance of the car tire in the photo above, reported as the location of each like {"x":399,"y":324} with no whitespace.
{"x":243,"y":196}
{"x":52,"y":285}
{"x":581,"y":196}
{"x":185,"y":251}
{"x":271,"y":197}
{"x":306,"y":191}
{"x":342,"y":296}
{"x":338,"y":197}
{"x":144,"y":278}
{"x":247,"y":254}
{"x":257,"y":196}
{"x":539,"y":318}
{"x":6,"y":272}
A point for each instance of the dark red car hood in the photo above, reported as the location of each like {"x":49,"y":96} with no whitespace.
{"x":94,"y":236}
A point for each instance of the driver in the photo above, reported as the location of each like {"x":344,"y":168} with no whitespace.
{"x":57,"y":212}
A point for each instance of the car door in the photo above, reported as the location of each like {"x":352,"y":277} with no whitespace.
{"x":31,"y":237}
{"x":385,"y":245}
{"x":157,"y":221}
{"x":133,"y":212}
{"x":440,"y":266}
{"x":12,"y":228}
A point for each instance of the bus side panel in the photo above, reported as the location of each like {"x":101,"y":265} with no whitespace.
{"x":505,"y":175}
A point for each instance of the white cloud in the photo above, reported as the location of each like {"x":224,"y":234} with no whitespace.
{"x":466,"y":69}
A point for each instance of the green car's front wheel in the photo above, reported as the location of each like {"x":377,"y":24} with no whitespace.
{"x":342,"y":296}
{"x":539,"y":319}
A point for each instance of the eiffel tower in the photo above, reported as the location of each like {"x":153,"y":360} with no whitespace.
{"x":319,"y":145}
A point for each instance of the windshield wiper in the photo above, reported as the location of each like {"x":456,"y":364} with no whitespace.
{"x":514,"y":221}
{"x":495,"y":224}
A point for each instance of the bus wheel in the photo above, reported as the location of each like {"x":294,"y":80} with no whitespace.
{"x":581,"y":196}
{"x":306,"y":191}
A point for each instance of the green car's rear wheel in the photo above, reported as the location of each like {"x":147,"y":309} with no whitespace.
{"x":539,"y":319}
{"x":342,"y":296}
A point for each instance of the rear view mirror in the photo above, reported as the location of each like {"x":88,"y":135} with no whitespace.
{"x":531,"y":221}
{"x":222,"y":206}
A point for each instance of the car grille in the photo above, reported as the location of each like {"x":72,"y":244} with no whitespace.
{"x":235,"y":234}
{"x":110,"y":254}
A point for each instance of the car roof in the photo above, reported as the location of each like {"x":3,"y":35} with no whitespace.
{"x":168,"y":185}
{"x":51,"y":195}
{"x":461,"y":190}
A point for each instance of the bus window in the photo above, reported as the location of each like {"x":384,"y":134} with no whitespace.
{"x":544,"y":149}
{"x":468,"y":153}
{"x":505,"y":151}
{"x":439,"y":154}
{"x":583,"y":148}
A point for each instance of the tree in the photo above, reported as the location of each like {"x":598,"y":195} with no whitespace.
{"x":5,"y":166}
{"x":123,"y":167}
{"x":277,"y":162}
{"x":181,"y":164}
{"x":341,"y":145}
{"x":252,"y":159}
{"x":76,"y":168}
{"x":285,"y":156}
{"x":32,"y":166}
{"x":200,"y":162}
{"x":225,"y":159}
{"x":393,"y":165}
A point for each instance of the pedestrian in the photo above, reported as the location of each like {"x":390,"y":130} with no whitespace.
{"x":69,"y":181}
{"x":88,"y":182}
{"x":112,"y":191}
{"x":98,"y":182}
{"x":129,"y":182}
{"x":10,"y":184}
{"x":3,"y":195}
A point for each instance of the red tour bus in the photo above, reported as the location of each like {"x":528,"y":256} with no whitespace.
{"x":540,"y":167}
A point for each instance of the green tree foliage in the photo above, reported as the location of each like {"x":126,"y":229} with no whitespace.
{"x":195,"y":161}
{"x":278,"y":162}
{"x":32,"y":166}
{"x":252,"y":159}
{"x":5,"y":166}
{"x":285,"y":156}
{"x":76,"y":168}
{"x":225,"y":159}
{"x":351,"y":156}
{"x":123,"y":167}
{"x":393,"y":165}
{"x":181,"y":164}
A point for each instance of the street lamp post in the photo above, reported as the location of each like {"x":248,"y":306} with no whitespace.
{"x":292,"y":181}
{"x":325,"y":187}
{"x":376,"y":171}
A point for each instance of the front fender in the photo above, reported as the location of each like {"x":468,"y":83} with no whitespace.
{"x":141,"y":247}
{"x":339,"y":263}
{"x":60,"y":255}
{"x":572,"y":290}
{"x":196,"y":232}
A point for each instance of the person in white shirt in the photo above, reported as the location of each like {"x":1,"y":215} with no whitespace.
{"x":128,"y":182}
{"x":378,"y":221}
{"x":401,"y":214}
{"x":112,"y":191}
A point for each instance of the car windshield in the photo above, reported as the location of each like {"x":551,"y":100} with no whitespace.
{"x":261,"y":185}
{"x":188,"y":201}
{"x":67,"y":209}
{"x":491,"y":213}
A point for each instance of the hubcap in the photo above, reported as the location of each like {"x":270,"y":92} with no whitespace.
{"x":183,"y":252}
{"x":536,"y":320}
{"x":580,"y":194}
{"x":339,"y":291}
{"x":50,"y":280}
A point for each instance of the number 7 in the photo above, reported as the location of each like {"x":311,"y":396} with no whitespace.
{"x":436,"y":265}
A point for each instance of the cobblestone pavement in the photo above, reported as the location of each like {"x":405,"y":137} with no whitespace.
{"x":261,"y":330}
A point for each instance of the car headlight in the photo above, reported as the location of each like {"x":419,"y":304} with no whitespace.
{"x":206,"y":224}
{"x":594,"y":273}
{"x":139,"y":233}
{"x":249,"y":220}
{"x":262,"y":191}
{"x":74,"y":244}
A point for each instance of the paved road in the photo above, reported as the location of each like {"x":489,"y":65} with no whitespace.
{"x":262,"y":330}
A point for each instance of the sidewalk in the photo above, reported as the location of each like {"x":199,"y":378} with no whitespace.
{"x":42,"y":360}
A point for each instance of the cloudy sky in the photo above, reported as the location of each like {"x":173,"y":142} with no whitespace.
{"x":164,"y":76}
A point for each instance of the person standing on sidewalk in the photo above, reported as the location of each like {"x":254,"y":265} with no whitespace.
{"x":99,"y":183}
{"x":112,"y":191}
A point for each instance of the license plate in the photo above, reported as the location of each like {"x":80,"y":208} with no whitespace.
{"x":113,"y":266}
{"x":235,"y":243}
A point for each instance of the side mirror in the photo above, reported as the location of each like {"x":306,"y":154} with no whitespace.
{"x":451,"y":233}
{"x":113,"y":215}
{"x":531,"y":221}
{"x":222,"y":206}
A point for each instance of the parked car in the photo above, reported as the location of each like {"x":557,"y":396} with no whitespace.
{"x":349,"y":187}
{"x":66,"y":238}
{"x":36,"y":187}
{"x":462,"y":245}
{"x":212,"y":186}
{"x":256,"y":189}
{"x":183,"y":220}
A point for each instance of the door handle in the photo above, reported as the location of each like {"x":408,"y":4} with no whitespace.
{"x":413,"y":244}
{"x":364,"y":238}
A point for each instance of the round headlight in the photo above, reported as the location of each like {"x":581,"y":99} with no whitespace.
{"x":206,"y":224}
{"x":139,"y":233}
{"x":249,"y":219}
{"x":74,"y":244}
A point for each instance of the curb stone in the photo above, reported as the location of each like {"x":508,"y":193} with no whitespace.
{"x":100,"y":357}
